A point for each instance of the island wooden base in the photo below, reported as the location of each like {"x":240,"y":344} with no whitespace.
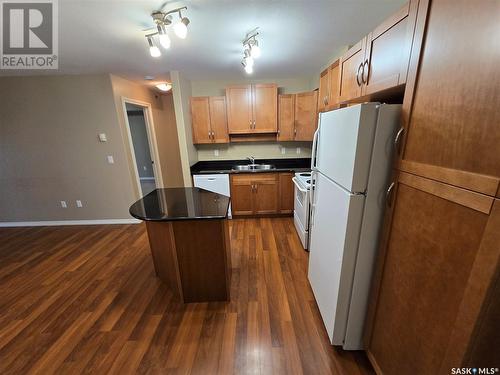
{"x":192,"y":257}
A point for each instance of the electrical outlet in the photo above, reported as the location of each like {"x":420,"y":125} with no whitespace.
{"x":216,"y":152}
{"x":297,"y":150}
{"x":79,"y":203}
{"x":110,"y":159}
{"x":283,"y":150}
{"x":63,"y":204}
{"x":102,"y":137}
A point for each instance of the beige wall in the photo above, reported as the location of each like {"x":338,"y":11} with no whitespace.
{"x":267,"y":150}
{"x":314,"y":84}
{"x":162,"y":107}
{"x":49,"y":150}
{"x":49,"y":147}
{"x":181,"y":91}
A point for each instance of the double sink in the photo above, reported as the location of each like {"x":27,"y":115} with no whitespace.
{"x":253,"y":167}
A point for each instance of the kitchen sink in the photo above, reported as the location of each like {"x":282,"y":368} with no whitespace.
{"x":253,"y":167}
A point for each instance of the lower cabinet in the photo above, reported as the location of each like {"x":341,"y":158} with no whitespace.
{"x":437,"y":266}
{"x":261,"y":194}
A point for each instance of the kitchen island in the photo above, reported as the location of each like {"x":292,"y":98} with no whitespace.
{"x":189,"y":240}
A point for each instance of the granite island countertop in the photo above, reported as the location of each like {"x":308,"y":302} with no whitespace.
{"x":173,"y":204}
{"x":225,"y":166}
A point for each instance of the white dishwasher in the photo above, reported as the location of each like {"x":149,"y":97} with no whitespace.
{"x":217,"y":183}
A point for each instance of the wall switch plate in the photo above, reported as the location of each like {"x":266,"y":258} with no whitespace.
{"x":216,"y":152}
{"x":79,"y":203}
{"x":110,"y":159}
{"x":63,"y":204}
{"x":283,"y":150}
{"x":297,"y":150}
{"x":102,"y":137}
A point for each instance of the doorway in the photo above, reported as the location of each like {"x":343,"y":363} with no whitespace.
{"x":143,"y":146}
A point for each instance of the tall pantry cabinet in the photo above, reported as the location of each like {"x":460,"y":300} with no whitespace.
{"x":436,"y":286}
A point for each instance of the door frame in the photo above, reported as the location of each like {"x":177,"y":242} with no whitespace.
{"x":153,"y":148}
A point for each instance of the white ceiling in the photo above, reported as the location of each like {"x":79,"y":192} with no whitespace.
{"x":297,"y":38}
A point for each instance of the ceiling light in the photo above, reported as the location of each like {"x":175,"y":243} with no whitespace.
{"x":163,"y":19}
{"x":164,"y":86}
{"x":255,"y":50}
{"x":249,"y":69}
{"x":180,"y":28}
{"x":153,"y":50}
{"x":163,"y":37}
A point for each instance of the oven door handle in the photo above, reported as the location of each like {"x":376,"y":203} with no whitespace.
{"x":294,"y":179}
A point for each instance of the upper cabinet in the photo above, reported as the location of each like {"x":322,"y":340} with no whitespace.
{"x":387,"y":51}
{"x":297,"y":116}
{"x":208,"y":116}
{"x":252,"y":108}
{"x":351,"y":66}
{"x":328,"y":96}
{"x":377,"y":62}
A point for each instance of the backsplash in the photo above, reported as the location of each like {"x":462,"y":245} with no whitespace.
{"x":261,"y":150}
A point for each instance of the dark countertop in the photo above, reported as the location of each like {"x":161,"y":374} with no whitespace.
{"x":180,"y":204}
{"x":225,"y":166}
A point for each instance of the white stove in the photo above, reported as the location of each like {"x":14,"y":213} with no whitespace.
{"x":302,"y":181}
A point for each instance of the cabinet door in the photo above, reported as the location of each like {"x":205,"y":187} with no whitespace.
{"x":433,"y":252}
{"x":218,"y":119}
{"x":242,"y":194}
{"x":239,"y":109}
{"x":334,"y":78}
{"x":351,"y":68}
{"x":388,"y":51}
{"x":452,"y":111}
{"x":286,"y":117}
{"x":200,"y":119}
{"x":266,"y":194}
{"x":324,"y":89}
{"x":265,"y":108}
{"x":286,"y":193}
{"x":305,"y":115}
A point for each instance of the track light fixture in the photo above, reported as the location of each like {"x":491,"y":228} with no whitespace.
{"x":251,"y":50}
{"x":162,"y":20}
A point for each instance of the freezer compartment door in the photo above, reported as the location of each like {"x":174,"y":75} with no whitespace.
{"x":334,"y":235}
{"x":344,"y":145}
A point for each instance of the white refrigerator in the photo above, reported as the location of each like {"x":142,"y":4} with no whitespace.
{"x":351,"y":163}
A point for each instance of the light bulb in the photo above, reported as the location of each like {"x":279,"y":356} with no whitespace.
{"x":180,"y":28}
{"x":164,"y":86}
{"x":249,"y":61}
{"x":164,"y":41}
{"x":154,"y":51}
{"x":249,"y":69}
{"x":255,"y":51}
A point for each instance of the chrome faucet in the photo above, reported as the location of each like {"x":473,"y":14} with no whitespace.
{"x":252,"y":159}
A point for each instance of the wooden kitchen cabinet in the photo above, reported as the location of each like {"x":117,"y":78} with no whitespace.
{"x":305,"y":115}
{"x":297,"y":116}
{"x":286,"y":193}
{"x":256,"y":194}
{"x":350,"y":70}
{"x":252,"y":108}
{"x":388,"y":50}
{"x":437,"y":261}
{"x":286,"y":117}
{"x":328,"y":94}
{"x":208,"y":117}
{"x":451,"y":126}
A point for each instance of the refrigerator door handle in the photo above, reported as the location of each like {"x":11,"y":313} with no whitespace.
{"x":314,"y":148}
{"x":311,"y":191}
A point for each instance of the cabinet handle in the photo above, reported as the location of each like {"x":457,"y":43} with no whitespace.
{"x":325,"y":100}
{"x":254,"y":124}
{"x":388,"y":194}
{"x":365,"y":80}
{"x":397,"y":140}
{"x":357,"y":74}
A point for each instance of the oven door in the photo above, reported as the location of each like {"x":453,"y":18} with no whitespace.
{"x":301,"y":204}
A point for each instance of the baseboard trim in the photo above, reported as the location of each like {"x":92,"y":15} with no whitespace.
{"x":146,"y":178}
{"x":4,"y":224}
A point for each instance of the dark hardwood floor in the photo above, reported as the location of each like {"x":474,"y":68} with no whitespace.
{"x":86,"y":300}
